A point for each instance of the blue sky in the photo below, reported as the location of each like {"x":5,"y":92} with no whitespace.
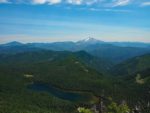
{"x":72,"y":20}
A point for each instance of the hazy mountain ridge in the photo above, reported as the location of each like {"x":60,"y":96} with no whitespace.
{"x":115,"y":52}
{"x":84,"y":42}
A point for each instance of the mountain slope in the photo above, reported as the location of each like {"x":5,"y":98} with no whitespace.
{"x":99,"y":49}
{"x":132,"y":66}
{"x":55,"y":46}
{"x":53,"y":67}
{"x":17,"y":48}
{"x":61,"y":69}
{"x":114,"y":52}
{"x":14,"y":43}
{"x":100,"y":64}
{"x":35,"y":54}
{"x":58,"y":68}
{"x":131,"y":44}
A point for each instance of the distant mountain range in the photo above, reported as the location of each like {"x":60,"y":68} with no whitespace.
{"x":115,"y":52}
{"x":87,"y":41}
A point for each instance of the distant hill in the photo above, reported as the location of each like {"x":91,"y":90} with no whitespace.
{"x":55,"y":46}
{"x":131,"y":44}
{"x":116,"y":54}
{"x":30,"y":55}
{"x":16,"y":48}
{"x":138,"y":64}
{"x":14,"y":43}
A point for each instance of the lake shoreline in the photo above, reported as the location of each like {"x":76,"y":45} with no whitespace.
{"x":94,"y":97}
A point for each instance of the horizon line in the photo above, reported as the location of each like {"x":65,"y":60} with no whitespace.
{"x":76,"y":41}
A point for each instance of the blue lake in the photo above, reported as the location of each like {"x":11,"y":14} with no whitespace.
{"x":71,"y":96}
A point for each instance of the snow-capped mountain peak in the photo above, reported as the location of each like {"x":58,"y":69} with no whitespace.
{"x":90,"y":40}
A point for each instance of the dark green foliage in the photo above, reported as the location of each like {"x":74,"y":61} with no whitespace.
{"x":15,"y":98}
{"x":114,"y":108}
{"x":57,"y":68}
{"x":136,"y":91}
{"x":132,"y":66}
{"x":68,"y":71}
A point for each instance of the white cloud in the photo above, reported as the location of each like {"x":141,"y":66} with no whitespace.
{"x":80,"y":2}
{"x":46,"y":1}
{"x":90,"y":2}
{"x":4,"y":1}
{"x":120,"y":3}
{"x":111,"y":10}
{"x":97,"y":3}
{"x":76,"y":2}
{"x":145,"y":4}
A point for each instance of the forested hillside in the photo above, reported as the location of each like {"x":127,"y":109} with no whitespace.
{"x":61,"y":81}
